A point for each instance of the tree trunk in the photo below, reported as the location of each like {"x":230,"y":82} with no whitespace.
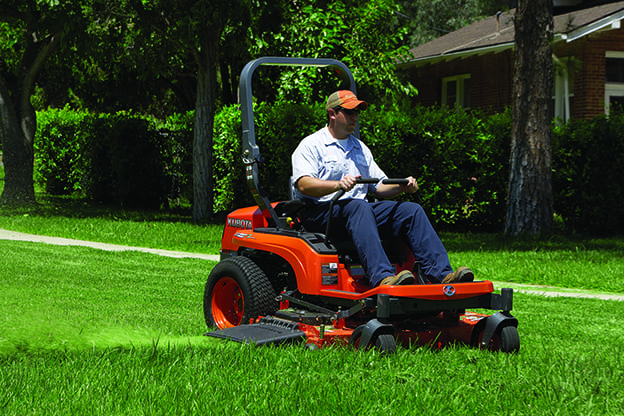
{"x":18,"y":122}
{"x":17,"y":133}
{"x":530,"y":202}
{"x":205,"y":108}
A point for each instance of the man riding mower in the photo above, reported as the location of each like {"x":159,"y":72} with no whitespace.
{"x":287,"y":274}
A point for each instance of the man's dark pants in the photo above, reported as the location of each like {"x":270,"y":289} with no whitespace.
{"x":367,"y":223}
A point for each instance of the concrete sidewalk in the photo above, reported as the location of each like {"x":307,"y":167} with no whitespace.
{"x":556,"y":292}
{"x":546,"y":291}
{"x":17,"y":236}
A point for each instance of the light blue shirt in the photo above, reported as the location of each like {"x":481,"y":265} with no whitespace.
{"x":321,"y":156}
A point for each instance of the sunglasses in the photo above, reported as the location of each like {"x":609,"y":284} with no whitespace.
{"x":347,"y":111}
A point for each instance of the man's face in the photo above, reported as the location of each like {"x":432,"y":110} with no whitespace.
{"x":345,"y":121}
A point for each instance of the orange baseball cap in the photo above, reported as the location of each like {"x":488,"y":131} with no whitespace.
{"x":345,"y":99}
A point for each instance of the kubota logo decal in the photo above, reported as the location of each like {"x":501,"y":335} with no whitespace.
{"x":239,"y":223}
{"x":448,"y":290}
{"x":238,"y":234}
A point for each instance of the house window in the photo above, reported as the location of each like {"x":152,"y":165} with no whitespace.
{"x":614,"y":81}
{"x":563,"y":89}
{"x":456,"y":91}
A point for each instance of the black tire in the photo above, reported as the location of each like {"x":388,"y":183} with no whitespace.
{"x":509,"y":339}
{"x":237,"y":291}
{"x":505,"y":339}
{"x":384,"y":343}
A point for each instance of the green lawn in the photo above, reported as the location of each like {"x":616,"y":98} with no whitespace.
{"x":84,"y":331}
{"x":74,"y":219}
{"x":87,"y":331}
{"x":71,"y":217}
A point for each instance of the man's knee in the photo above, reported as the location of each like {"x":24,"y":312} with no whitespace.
{"x":356,"y":207}
{"x":409,"y":208}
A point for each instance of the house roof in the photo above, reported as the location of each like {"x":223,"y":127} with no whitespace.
{"x":496,"y":33}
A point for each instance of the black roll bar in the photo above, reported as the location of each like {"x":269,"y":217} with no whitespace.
{"x":251,"y":151}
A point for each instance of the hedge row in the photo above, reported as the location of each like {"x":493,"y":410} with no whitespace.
{"x":120,"y":159}
{"x":460,"y":160}
{"x":587,"y":164}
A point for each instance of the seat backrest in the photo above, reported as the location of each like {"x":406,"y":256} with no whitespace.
{"x":291,"y":188}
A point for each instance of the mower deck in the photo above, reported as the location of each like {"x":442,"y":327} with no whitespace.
{"x":408,"y":321}
{"x":436,"y":332}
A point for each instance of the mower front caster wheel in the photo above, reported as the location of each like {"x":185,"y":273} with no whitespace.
{"x":385,"y":343}
{"x":509,"y":339}
{"x":506,"y":339}
{"x":237,"y":291}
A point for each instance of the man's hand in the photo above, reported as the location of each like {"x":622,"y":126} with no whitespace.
{"x":348,"y":182}
{"x":411,"y":187}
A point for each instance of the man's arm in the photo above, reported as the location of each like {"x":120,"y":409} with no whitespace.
{"x":318,"y":188}
{"x":390,"y":191}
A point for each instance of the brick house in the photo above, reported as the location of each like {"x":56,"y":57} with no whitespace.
{"x":472,"y":67}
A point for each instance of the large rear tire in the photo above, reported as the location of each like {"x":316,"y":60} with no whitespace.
{"x":237,"y":291}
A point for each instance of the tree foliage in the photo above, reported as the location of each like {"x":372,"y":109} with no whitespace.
{"x":359,"y":33}
{"x":173,"y":55}
{"x":429,"y":19}
{"x":165,"y":56}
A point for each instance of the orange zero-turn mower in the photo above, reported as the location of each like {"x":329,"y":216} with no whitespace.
{"x":278,"y":283}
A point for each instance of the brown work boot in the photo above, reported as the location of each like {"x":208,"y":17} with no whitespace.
{"x":404,"y":278}
{"x":461,"y":275}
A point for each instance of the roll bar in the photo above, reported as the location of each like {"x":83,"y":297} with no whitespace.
{"x":251,"y":151}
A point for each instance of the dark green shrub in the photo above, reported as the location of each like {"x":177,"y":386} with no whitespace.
{"x":490,"y":188}
{"x":127,"y":162}
{"x":459,"y":160}
{"x":177,"y":133}
{"x":230,"y":188}
{"x":60,"y":164}
{"x":118,"y":159}
{"x":101,"y":183}
{"x":279,"y":129}
{"x":588,"y":157}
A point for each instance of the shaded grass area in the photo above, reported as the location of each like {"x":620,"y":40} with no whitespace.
{"x":76,"y":218}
